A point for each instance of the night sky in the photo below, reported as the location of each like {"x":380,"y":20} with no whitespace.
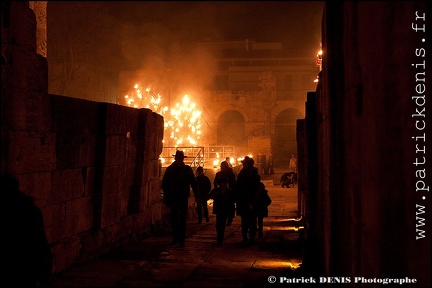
{"x":296,"y":24}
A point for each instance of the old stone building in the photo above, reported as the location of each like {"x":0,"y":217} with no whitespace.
{"x":257,"y":93}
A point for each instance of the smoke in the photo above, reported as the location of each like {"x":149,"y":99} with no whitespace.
{"x":162,"y":60}
{"x":157,"y":38}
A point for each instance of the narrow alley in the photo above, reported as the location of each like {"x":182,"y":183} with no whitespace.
{"x":153,"y":262}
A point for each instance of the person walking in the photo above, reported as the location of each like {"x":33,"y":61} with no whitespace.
{"x":263,"y":200}
{"x":246,"y":190}
{"x":223,"y":200}
{"x":228,"y":173}
{"x":176,"y":184}
{"x":204,"y":187}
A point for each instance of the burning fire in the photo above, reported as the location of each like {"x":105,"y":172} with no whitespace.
{"x":182,"y":123}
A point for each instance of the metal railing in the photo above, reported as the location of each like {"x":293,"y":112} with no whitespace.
{"x":199,"y":155}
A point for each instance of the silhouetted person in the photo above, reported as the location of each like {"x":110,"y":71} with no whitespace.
{"x":264,"y":163}
{"x":26,"y":254}
{"x":223,"y":200}
{"x":176,"y":184}
{"x":228,"y":173}
{"x":263,"y":200}
{"x":228,"y":160}
{"x":246,"y":190}
{"x":270,"y":167}
{"x":204,"y":187}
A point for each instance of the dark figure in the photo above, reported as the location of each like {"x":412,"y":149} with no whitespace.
{"x":228,"y":173}
{"x":288,"y":179}
{"x":259,"y":162}
{"x":204,"y":187}
{"x":176,"y":184}
{"x":261,"y":207}
{"x":270,"y":167}
{"x":246,"y":190}
{"x":26,"y":252}
{"x":223,"y":200}
{"x":264,"y":163}
{"x":228,"y":160}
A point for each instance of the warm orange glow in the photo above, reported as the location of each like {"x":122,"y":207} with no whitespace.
{"x":241,"y":158}
{"x":269,"y":263}
{"x":182,"y":124}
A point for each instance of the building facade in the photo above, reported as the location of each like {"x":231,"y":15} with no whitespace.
{"x":257,"y":93}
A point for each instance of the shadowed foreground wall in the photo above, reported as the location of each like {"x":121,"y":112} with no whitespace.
{"x":92,"y":167}
{"x":369,"y":204}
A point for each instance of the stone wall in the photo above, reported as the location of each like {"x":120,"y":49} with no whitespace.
{"x":363,"y":193}
{"x":92,"y":167}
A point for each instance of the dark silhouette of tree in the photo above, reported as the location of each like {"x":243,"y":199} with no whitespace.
{"x":80,"y":35}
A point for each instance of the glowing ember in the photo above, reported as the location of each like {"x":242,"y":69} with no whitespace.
{"x":182,"y":124}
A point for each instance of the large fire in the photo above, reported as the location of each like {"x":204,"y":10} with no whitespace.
{"x":182,"y":124}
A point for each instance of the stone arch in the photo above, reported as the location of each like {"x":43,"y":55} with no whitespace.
{"x":285,"y":142}
{"x":231,"y":129}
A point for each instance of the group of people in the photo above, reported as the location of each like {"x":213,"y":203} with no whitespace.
{"x":266,"y":166}
{"x":243,"y":195}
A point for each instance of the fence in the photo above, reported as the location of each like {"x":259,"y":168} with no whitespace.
{"x":205,"y":156}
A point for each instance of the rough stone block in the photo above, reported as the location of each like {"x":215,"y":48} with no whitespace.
{"x":72,"y":115}
{"x":120,"y":119}
{"x":79,"y":215}
{"x":29,"y":71}
{"x":112,"y":179}
{"x":146,"y":173}
{"x":31,"y":151}
{"x":154,"y":191}
{"x":129,"y":120}
{"x":124,"y":202}
{"x":133,"y":174}
{"x":134,"y":199}
{"x":110,"y":210}
{"x":27,"y":110}
{"x":37,"y":185}
{"x":75,"y":150}
{"x":67,"y":185}
{"x":66,"y":253}
{"x":24,"y":30}
{"x":55,"y":222}
{"x":89,"y":180}
{"x":116,"y":152}
{"x":154,"y":132}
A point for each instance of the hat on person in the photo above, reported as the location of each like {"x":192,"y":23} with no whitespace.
{"x":248,"y":161}
{"x":224,"y":164}
{"x":179,"y":155}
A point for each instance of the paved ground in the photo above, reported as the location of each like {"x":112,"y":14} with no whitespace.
{"x":153,"y":262}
